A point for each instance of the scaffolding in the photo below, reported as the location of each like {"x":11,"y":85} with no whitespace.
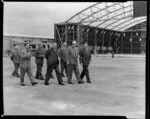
{"x":102,"y":26}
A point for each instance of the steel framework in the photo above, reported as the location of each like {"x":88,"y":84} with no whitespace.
{"x":107,"y":20}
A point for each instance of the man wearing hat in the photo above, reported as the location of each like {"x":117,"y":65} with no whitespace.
{"x":63,"y":58}
{"x":39,"y":55}
{"x":25,"y":65}
{"x":15,"y":58}
{"x":73,"y":63}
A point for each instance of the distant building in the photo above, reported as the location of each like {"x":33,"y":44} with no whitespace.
{"x":10,"y":40}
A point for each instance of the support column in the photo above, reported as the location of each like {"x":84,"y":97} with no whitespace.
{"x":116,"y":45}
{"x":141,"y":44}
{"x":66,"y":33}
{"x":122,"y":44}
{"x":95,"y":42}
{"x":131,"y":39}
{"x":73,"y":32}
{"x":103,"y":43}
{"x":55,"y":32}
{"x":87,"y":38}
{"x":78,"y":35}
{"x":110,"y":40}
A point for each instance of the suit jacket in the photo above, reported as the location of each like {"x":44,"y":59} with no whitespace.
{"x":39,"y":59}
{"x":52,"y":56}
{"x":73,"y":55}
{"x":63,"y":54}
{"x":15,"y":56}
{"x":85,"y":56}
{"x":25,"y":57}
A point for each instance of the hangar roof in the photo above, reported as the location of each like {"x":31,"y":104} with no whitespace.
{"x":116,"y":16}
{"x":28,"y":36}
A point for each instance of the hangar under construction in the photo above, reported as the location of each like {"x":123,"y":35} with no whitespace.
{"x":107,"y":25}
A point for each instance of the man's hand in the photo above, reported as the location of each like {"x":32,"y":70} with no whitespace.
{"x":81,"y":63}
{"x":67,"y":62}
{"x":42,"y":56}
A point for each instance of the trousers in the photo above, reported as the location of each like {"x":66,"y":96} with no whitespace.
{"x":85,"y":72}
{"x":39,"y":71}
{"x":23,"y":71}
{"x":64,"y":67}
{"x":16,"y":65}
{"x":71,"y":68}
{"x":49,"y":73}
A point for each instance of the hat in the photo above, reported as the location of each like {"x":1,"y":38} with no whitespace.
{"x":74,"y":42}
{"x":16,"y":46}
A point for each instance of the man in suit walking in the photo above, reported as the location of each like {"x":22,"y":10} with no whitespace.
{"x":52,"y":77}
{"x":39,"y":55}
{"x":85,"y":58}
{"x":63,"y":58}
{"x":53,"y":63}
{"x":73,"y":63}
{"x":15,"y":58}
{"x":25,"y":65}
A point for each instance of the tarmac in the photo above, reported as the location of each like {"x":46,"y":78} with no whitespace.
{"x":118,"y":88}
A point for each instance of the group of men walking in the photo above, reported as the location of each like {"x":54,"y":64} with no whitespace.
{"x":68,"y":61}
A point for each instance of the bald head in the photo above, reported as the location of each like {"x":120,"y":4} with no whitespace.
{"x":26,"y":45}
{"x":74,"y":43}
{"x":54,"y":45}
{"x":16,"y":46}
{"x":64,"y":44}
{"x":40,"y":45}
{"x":85,"y":45}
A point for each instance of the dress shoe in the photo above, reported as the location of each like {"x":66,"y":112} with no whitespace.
{"x":89,"y":82}
{"x":61,"y":84}
{"x":46,"y":83}
{"x":34,"y":83}
{"x":52,"y":77}
{"x":23,"y":84}
{"x":17,"y":75}
{"x":13,"y":74}
{"x":70,"y":83}
{"x":79,"y":82}
{"x":36,"y":78}
{"x":41,"y":78}
{"x":62,"y":75}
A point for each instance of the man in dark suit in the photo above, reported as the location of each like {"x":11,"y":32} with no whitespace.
{"x":63,"y":58}
{"x":53,"y":63}
{"x":73,"y":63}
{"x":52,"y":77}
{"x":25,"y":65}
{"x":39,"y":55}
{"x":85,"y":58}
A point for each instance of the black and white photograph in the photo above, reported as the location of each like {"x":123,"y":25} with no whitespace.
{"x":75,"y":58}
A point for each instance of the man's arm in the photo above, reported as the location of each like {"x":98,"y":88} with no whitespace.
{"x":81,"y":56}
{"x":90,"y":55}
{"x":59,"y":51}
{"x":47,"y":54}
{"x":12,"y":56}
{"x":36,"y":53}
{"x":23,"y":54}
{"x":61,"y":54}
{"x":68,"y":54}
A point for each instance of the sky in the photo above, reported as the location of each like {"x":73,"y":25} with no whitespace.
{"x":38,"y":18}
